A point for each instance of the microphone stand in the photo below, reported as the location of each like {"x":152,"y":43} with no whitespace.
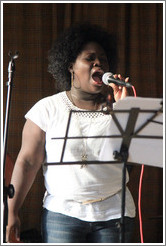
{"x":7,"y":191}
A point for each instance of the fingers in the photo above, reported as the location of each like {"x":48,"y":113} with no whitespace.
{"x":8,"y":233}
{"x":127,"y":79}
{"x":17,"y":233}
{"x":114,"y":86}
{"x":119,"y":76}
{"x":13,"y":235}
{"x":120,"y":92}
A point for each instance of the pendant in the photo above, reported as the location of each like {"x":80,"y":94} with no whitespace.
{"x":84,"y":158}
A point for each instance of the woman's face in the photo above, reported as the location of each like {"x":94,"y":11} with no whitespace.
{"x":89,"y":67}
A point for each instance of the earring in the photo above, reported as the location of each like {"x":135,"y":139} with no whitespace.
{"x":72,"y":79}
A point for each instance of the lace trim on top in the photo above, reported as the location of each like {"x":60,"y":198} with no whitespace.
{"x":82,"y":112}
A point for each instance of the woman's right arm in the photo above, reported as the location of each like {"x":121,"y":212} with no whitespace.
{"x":29,"y":161}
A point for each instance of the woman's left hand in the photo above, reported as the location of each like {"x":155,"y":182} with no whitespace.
{"x":119,"y":92}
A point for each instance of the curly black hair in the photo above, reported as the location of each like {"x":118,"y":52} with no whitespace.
{"x":69,"y":45}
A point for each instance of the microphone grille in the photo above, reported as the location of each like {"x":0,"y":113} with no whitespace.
{"x":105,"y":77}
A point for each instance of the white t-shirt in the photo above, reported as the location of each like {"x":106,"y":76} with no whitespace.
{"x":68,"y":186}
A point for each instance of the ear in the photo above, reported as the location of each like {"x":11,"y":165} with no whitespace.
{"x":70,"y":68}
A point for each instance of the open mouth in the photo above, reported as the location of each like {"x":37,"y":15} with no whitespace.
{"x":97,"y":78}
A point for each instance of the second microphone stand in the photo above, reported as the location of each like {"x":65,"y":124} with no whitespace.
{"x":7,"y":191}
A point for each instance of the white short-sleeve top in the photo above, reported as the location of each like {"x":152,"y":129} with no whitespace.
{"x":69,"y":186}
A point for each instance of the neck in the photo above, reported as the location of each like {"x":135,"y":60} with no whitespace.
{"x":84,"y":100}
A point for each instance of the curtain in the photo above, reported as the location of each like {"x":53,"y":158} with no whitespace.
{"x":31,"y":28}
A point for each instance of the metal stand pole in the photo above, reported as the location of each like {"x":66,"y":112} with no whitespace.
{"x":123,"y":156}
{"x":123,"y":203}
{"x":7,"y":191}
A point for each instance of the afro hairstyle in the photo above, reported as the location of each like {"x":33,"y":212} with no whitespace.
{"x":70,"y":44}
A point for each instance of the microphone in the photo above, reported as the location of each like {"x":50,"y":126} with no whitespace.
{"x":108,"y":78}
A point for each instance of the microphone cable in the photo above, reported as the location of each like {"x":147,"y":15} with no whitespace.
{"x":140,"y":192}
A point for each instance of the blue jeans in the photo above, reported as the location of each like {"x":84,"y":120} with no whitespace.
{"x":59,"y":228}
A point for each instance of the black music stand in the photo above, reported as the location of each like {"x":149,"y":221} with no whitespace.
{"x":130,"y":126}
